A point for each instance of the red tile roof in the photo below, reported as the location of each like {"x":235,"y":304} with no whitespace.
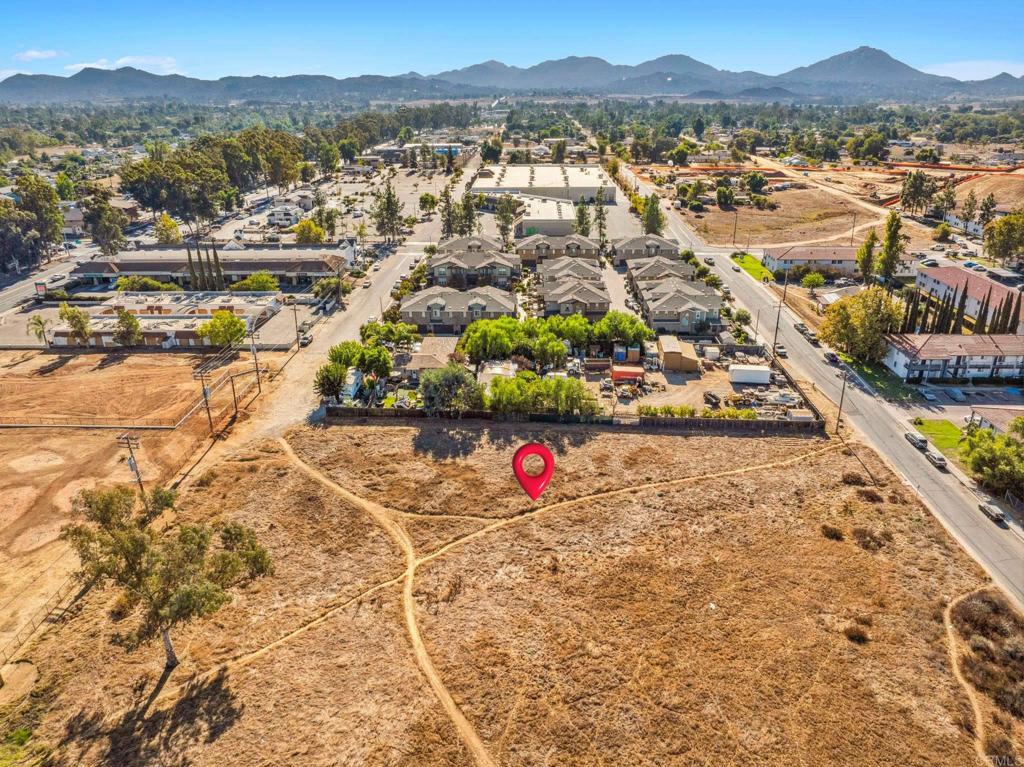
{"x":977,"y":285}
{"x":929,"y":346}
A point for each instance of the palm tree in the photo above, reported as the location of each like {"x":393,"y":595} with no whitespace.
{"x":37,"y":325}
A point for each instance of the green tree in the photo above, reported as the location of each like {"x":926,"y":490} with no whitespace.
{"x":78,"y":322}
{"x":620,"y":327}
{"x":166,"y":231}
{"x":127,"y":331}
{"x":171,"y":577}
{"x":346,"y":353}
{"x":65,"y":186}
{"x":582,"y":223}
{"x":386,"y":212}
{"x":574,"y":328}
{"x":858,"y":324}
{"x":893,"y":247}
{"x":330,"y":380}
{"x":37,"y":326}
{"x":40,"y":200}
{"x":375,"y":361}
{"x":987,"y":210}
{"x":449,"y":217}
{"x":134,"y":283}
{"x":1004,"y":238}
{"x":996,"y":460}
{"x":698,"y":127}
{"x":812,"y":281}
{"x":261,"y":281}
{"x":969,"y":207}
{"x":945,"y":201}
{"x":741,"y":317}
{"x":601,"y":219}
{"x":428,"y":203}
{"x":308,"y":233}
{"x":653,"y":218}
{"x":486,"y":341}
{"x":866,"y":256}
{"x":505,"y":216}
{"x":755,"y":181}
{"x":943,"y":233}
{"x":490,"y":150}
{"x":558,"y":152}
{"x":106,"y":224}
{"x":328,"y":157}
{"x":450,"y":391}
{"x":222,"y":329}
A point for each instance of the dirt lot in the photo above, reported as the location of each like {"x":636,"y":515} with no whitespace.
{"x":1008,"y":189}
{"x":670,"y":600}
{"x":43,"y":468}
{"x":803,"y":214}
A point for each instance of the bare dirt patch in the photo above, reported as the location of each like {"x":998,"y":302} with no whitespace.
{"x":670,"y":600}
{"x":802,"y":214}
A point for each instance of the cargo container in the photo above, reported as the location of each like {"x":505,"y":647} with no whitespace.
{"x":627,"y":373}
{"x":750,"y":374}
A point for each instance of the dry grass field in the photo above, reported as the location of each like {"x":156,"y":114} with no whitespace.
{"x":669,"y":601}
{"x":802,"y":215}
{"x":41,"y":469}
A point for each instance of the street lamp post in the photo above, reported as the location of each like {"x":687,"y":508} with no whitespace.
{"x":842,"y":396}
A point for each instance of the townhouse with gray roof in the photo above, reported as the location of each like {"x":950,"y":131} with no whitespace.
{"x":643,"y":246}
{"x":659,"y":268}
{"x":571,"y":295}
{"x":538,"y":248}
{"x":444,"y":310}
{"x":562,"y":268}
{"x":677,"y":305}
{"x":470,"y":268}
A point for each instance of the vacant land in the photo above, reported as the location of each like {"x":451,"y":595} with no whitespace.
{"x":802,"y":215}
{"x":41,"y":469}
{"x":670,"y":600}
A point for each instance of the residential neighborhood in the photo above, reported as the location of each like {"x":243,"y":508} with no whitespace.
{"x":589,"y":404}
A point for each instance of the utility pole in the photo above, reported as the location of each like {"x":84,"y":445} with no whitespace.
{"x":853,"y":228}
{"x":735,"y":223}
{"x":126,"y":440}
{"x":255,"y":360}
{"x":204,"y":379}
{"x":295,"y":316}
{"x":842,"y":395}
{"x":778,"y":316}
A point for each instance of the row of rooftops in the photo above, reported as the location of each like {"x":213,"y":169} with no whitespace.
{"x":485,"y":298}
{"x":931,"y":346}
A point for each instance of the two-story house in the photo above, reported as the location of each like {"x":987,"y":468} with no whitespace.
{"x":447,"y":310}
{"x":659,"y":268}
{"x":562,"y":268}
{"x":571,"y":295}
{"x":644,"y":246}
{"x":473,"y":267}
{"x":928,"y":356}
{"x":678,"y":305}
{"x":538,"y":248}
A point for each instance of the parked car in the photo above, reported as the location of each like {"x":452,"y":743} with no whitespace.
{"x":970,"y":264}
{"x":956,"y":395}
{"x":372,"y":318}
{"x":938,"y":248}
{"x":305,"y":340}
{"x":376,"y":266}
{"x":780,"y":351}
{"x":994,"y":513}
{"x":831,"y":358}
{"x":735,"y":267}
{"x":366,"y":283}
{"x":800,"y":327}
{"x":980,"y":268}
{"x":935,"y":459}
{"x":812,"y":337}
{"x":916,"y":440}
{"x":929,"y":262}
{"x":709,"y":260}
{"x":928,"y":396}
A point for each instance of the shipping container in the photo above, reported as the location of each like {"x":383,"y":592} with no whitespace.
{"x":750,"y":374}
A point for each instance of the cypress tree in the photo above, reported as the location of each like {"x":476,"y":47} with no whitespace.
{"x":926,"y":313}
{"x":1015,"y":316}
{"x":915,"y":307}
{"x":221,"y":284}
{"x":204,"y":283}
{"x":958,"y":321}
{"x":1004,"y":315}
{"x":981,"y":323}
{"x":193,"y":279}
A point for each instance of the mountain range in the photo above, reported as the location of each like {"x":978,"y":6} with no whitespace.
{"x":863,"y":74}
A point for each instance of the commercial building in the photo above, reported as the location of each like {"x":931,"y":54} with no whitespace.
{"x":544,"y":215}
{"x":933,"y":357}
{"x":564,"y":182}
{"x":292,"y":266}
{"x":446,"y":310}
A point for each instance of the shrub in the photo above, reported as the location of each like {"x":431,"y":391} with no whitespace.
{"x":832,"y":532}
{"x":869,"y":540}
{"x":207,"y":479}
{"x":869,"y":494}
{"x":853,"y":478}
{"x":856,"y":634}
{"x":18,"y":737}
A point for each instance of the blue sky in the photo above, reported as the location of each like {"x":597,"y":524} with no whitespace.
{"x":341,"y":38}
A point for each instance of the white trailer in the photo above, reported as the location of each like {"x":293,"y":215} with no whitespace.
{"x":750,"y":374}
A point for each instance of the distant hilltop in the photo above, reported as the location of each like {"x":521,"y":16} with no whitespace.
{"x":860,"y":75}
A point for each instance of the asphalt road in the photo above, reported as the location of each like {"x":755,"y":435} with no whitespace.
{"x":23,"y":288}
{"x":882,"y":424}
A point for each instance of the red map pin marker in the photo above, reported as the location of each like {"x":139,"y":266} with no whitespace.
{"x":534,"y":485}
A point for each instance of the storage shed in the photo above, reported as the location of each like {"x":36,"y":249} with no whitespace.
{"x":676,"y":355}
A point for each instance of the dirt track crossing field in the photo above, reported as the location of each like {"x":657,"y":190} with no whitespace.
{"x":671,"y":600}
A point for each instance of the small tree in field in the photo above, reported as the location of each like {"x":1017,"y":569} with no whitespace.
{"x":171,"y":577}
{"x":812,"y":281}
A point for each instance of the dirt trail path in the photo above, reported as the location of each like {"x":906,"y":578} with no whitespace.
{"x":954,"y":662}
{"x":386,"y":519}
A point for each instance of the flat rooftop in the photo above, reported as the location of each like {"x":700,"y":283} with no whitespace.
{"x":523,"y":177}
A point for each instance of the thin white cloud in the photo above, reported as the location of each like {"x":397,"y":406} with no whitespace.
{"x":976,"y":69}
{"x":161,"y":65}
{"x":35,"y":54}
{"x":98,"y":64}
